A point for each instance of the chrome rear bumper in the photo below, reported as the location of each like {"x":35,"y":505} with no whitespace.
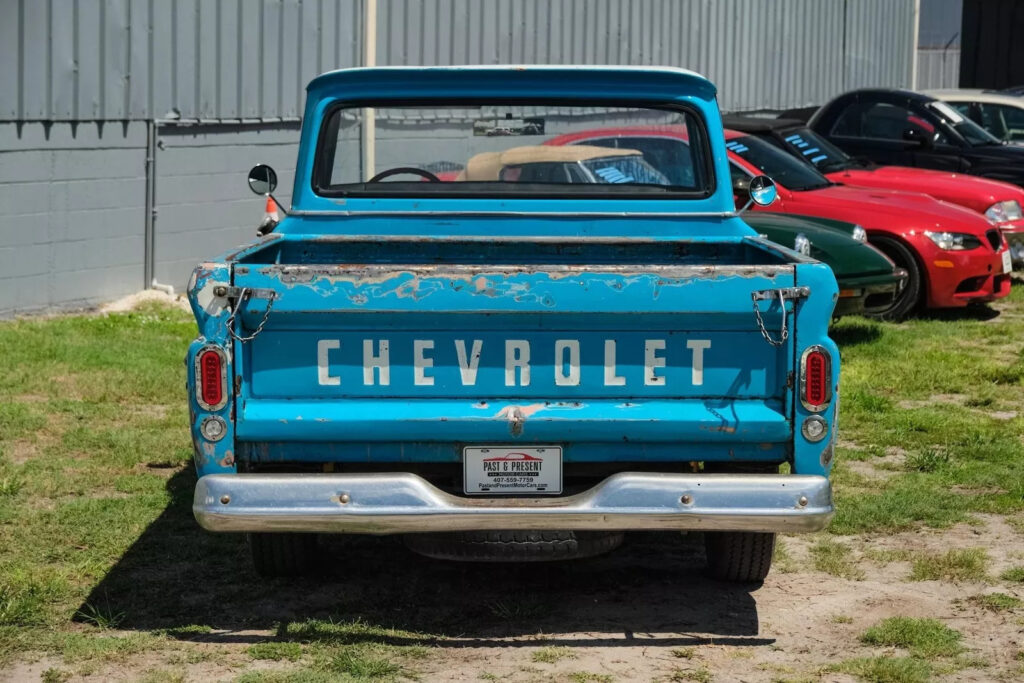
{"x":403,"y":503}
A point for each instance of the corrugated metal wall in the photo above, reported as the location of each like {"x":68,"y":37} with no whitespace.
{"x":938,"y":68}
{"x":140,"y":59}
{"x":250,"y":59}
{"x":72,"y":199}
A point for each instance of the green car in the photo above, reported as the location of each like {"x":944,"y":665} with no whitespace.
{"x":868,"y":280}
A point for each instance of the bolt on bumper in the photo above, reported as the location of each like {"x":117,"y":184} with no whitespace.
{"x":405,"y":503}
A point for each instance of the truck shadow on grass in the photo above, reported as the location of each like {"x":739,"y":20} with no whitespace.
{"x":180,"y":579}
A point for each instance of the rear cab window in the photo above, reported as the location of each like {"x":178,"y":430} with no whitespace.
{"x":503,"y":149}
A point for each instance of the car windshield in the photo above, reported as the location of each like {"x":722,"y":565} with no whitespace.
{"x":506,"y":149}
{"x":773,"y":162}
{"x":975,"y":135}
{"x":816,"y":150}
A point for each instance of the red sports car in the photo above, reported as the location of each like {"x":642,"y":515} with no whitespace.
{"x":953,"y":256}
{"x":999,"y":201}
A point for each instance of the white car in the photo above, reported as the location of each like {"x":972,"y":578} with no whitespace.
{"x":1001,"y":114}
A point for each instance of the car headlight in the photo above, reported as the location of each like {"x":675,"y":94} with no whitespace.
{"x":1004,"y":212}
{"x":802,"y":245}
{"x":859,"y":234}
{"x":953,"y":241}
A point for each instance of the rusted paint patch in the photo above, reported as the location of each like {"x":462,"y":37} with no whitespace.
{"x":517,"y":416}
{"x":726,"y":429}
{"x":826,"y":455}
{"x":524,"y":411}
{"x":228,"y":460}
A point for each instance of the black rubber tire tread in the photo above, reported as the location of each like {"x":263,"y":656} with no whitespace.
{"x":741,"y":556}
{"x":275,"y":555}
{"x":910,"y":298}
{"x":514,"y":545}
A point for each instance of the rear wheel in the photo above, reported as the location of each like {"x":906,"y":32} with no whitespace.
{"x":517,"y":545}
{"x":909,"y":297}
{"x":283,"y":554}
{"x":743,"y":556}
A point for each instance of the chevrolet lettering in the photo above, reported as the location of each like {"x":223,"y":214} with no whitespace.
{"x":558,"y":363}
{"x":503,"y":348}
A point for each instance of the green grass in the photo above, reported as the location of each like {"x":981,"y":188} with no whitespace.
{"x":782,"y":561}
{"x":997,"y":602}
{"x":588,"y":677}
{"x":552,"y":654}
{"x":700,"y":675}
{"x":958,"y":459}
{"x":886,"y":669}
{"x":275,"y":651}
{"x":836,"y":559}
{"x":1015,"y":574}
{"x":967,"y":564}
{"x":922,"y":637}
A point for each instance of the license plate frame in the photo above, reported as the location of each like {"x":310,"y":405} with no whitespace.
{"x":1007,"y":262}
{"x":506,"y":470}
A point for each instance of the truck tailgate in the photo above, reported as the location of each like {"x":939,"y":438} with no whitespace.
{"x":598,"y":342}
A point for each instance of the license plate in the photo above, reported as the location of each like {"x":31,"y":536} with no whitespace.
{"x":1007,"y":262}
{"x":512,"y":469}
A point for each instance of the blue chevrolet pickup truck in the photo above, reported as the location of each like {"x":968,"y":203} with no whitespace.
{"x":505,"y":350}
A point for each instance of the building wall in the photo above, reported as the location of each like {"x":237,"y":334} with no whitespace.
{"x":251,"y":59}
{"x":938,"y":68}
{"x":235,"y":72}
{"x":72,"y":200}
{"x":203,"y":204}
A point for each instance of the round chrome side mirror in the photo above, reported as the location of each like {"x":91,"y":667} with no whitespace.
{"x":762,"y":190}
{"x":262,"y":179}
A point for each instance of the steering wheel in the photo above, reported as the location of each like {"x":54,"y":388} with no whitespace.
{"x":427,"y":175}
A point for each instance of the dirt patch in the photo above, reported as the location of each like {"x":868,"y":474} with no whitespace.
{"x":877,"y":469}
{"x":132,"y":301}
{"x":155,"y":411}
{"x":22,"y":450}
{"x":934,"y":399}
{"x":643,"y":613}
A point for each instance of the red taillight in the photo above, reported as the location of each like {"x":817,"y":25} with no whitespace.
{"x":210,"y":373}
{"x":816,"y":379}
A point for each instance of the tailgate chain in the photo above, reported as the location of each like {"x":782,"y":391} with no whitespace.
{"x":782,"y":294}
{"x":243,"y":294}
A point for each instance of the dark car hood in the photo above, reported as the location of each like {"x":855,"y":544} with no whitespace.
{"x":846,"y":256}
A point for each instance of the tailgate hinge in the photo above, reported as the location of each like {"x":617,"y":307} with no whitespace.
{"x":790,"y":293}
{"x":238,"y":296}
{"x":236,"y":292}
{"x":780,"y":295}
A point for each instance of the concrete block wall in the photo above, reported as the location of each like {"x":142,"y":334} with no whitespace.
{"x":204,"y":206}
{"x":72,"y":208}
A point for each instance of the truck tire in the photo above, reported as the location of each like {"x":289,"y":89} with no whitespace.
{"x":909,"y":298}
{"x":283,"y":554}
{"x":518,"y":545}
{"x":742,"y":556}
